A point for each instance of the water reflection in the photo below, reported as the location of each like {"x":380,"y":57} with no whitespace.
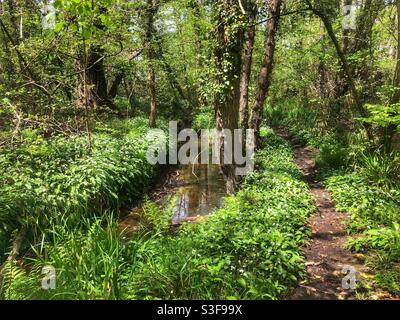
{"x":203,"y":191}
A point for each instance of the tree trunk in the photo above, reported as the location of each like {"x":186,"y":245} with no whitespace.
{"x":92,"y":82}
{"x":113,"y":91}
{"x":246,"y":68}
{"x":8,"y":64}
{"x":152,"y":8}
{"x":363,"y":47}
{"x":195,"y":5}
{"x":228,"y":53}
{"x":152,"y":94}
{"x":359,"y":42}
{"x":322,"y":78}
{"x":96,"y":76}
{"x":347,"y":31}
{"x":196,"y":98}
{"x":365,"y":23}
{"x":264,"y":77}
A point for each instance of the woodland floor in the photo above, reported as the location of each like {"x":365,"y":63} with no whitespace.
{"x":326,"y":252}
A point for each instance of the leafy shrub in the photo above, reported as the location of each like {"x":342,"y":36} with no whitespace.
{"x":159,"y":219}
{"x":204,"y":119}
{"x":383,"y":115}
{"x":369,"y":206}
{"x":382,"y":169}
{"x":274,"y":115}
{"x":386,"y":239}
{"x":384,"y":244}
{"x":298,"y":120}
{"x":332,"y":156}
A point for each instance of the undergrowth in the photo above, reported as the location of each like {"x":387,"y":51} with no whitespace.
{"x":250,"y":248}
{"x":61,"y":181}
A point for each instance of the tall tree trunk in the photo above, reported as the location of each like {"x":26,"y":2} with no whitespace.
{"x":247,"y":63}
{"x":228,"y":53}
{"x":195,"y":6}
{"x":92,"y":76}
{"x":359,"y":42}
{"x":113,"y":91}
{"x":92,"y":81}
{"x":152,"y":8}
{"x":369,"y":12}
{"x":8,"y":64}
{"x":196,"y":98}
{"x":363,"y":46}
{"x":97,"y":76}
{"x":152,"y":94}
{"x":264,"y":77}
{"x":190,"y":98}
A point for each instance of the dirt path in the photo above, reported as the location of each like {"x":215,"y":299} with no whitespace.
{"x":325,"y":253}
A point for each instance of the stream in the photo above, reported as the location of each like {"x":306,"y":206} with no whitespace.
{"x":202,"y":192}
{"x":199,"y":190}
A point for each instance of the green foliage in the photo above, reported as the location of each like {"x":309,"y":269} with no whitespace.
{"x":159,"y":219}
{"x":369,"y":205}
{"x":204,"y":119}
{"x":51,"y":183}
{"x":61,"y":180}
{"x":248,"y":249}
{"x":383,"y":115}
{"x":91,"y":264}
{"x":386,"y":239}
{"x":300,"y":121}
{"x":384,"y":247}
{"x":389,"y":280}
{"x":382,"y":169}
{"x":332,"y":155}
{"x":87,"y":16}
{"x":375,"y":219}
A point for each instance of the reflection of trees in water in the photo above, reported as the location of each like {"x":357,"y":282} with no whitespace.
{"x":182,"y":208}
{"x":203,"y":192}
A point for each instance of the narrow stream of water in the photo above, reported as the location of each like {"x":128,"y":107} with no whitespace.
{"x":199,"y":190}
{"x":202,"y":192}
